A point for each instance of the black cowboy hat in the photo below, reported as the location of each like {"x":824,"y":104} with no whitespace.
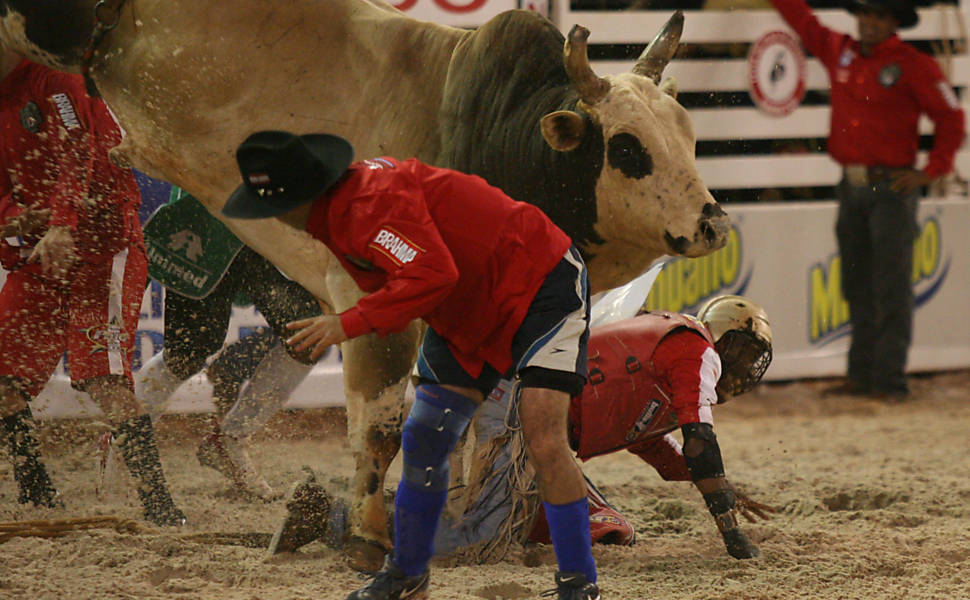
{"x":282,"y":171}
{"x":902,"y":10}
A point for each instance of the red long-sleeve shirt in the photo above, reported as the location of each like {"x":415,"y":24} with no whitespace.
{"x":438,"y":245}
{"x":55,"y":155}
{"x":877,"y":99}
{"x":647,"y":376}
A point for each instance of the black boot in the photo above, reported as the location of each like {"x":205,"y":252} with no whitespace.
{"x":136,"y":438}
{"x":30,"y":473}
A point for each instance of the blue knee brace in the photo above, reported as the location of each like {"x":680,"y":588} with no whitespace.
{"x":437,"y":420}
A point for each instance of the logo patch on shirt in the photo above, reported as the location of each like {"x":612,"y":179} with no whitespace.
{"x":889,"y":75}
{"x":397,"y":247}
{"x":846,"y":58}
{"x":31,"y":117}
{"x":376,"y":164}
{"x":66,"y":110}
{"x":643,"y":420}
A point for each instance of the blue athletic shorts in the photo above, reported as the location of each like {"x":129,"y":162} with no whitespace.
{"x":549,"y":348}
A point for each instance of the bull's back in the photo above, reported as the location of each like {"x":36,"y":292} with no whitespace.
{"x":190,"y":79}
{"x":212,"y":72}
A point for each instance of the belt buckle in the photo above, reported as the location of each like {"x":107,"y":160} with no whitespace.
{"x":857,"y":175}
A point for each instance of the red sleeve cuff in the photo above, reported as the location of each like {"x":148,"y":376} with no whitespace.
{"x":354,"y":323}
{"x":935,"y":170}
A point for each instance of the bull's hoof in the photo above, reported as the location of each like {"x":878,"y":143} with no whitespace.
{"x":308,"y":513}
{"x":366,"y":556}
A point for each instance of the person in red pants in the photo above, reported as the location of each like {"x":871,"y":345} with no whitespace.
{"x":73,"y":247}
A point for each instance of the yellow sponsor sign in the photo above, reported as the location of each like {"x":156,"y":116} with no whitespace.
{"x":828,"y":309}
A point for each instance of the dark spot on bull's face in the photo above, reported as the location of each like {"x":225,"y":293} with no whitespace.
{"x":677,"y":244}
{"x":625,"y":153}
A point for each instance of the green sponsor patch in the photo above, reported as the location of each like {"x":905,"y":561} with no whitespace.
{"x":189,"y":250}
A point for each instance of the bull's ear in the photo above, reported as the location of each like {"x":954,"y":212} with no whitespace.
{"x":669,"y":86}
{"x":563,"y":130}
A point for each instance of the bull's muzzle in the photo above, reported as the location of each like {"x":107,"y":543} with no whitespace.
{"x":711,"y":234}
{"x":713,"y":226}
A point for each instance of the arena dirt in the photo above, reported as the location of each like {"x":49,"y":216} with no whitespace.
{"x":873,"y":499}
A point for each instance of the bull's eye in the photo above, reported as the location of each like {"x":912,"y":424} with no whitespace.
{"x":626,"y":153}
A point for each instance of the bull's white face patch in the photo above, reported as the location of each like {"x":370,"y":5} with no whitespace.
{"x":672,"y":197}
{"x":65,"y":109}
{"x":395,"y":246}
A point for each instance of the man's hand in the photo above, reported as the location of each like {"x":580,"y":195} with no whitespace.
{"x":909,"y":180}
{"x":317,"y":333}
{"x":25,"y":222}
{"x":750,"y":509}
{"x":55,"y":252}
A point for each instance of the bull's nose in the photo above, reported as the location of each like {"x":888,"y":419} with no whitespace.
{"x":713,"y":209}
{"x":714,"y":231}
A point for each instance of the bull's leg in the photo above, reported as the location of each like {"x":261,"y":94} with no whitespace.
{"x":375,"y":378}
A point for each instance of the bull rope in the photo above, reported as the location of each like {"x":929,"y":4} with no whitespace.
{"x":513,"y":482}
{"x":54,"y":528}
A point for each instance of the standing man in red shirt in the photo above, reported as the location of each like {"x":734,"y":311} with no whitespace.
{"x":880,"y":86}
{"x":499,"y":285}
{"x":76,"y":259}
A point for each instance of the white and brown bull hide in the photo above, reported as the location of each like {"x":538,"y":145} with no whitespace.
{"x":190,"y":79}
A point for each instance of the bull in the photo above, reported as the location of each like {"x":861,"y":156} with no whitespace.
{"x":610,"y":159}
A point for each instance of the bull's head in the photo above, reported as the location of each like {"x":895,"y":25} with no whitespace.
{"x":649,"y":191}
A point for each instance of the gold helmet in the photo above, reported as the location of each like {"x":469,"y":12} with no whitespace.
{"x":742,"y":338}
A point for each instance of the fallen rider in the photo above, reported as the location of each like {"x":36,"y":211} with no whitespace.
{"x":648,"y":375}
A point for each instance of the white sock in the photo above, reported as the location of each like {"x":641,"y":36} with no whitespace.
{"x":275,"y":378}
{"x":154,"y":385}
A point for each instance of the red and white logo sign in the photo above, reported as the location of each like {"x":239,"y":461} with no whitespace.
{"x":465,"y":13}
{"x":776,"y":73}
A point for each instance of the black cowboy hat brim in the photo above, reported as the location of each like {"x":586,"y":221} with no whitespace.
{"x":333,"y":155}
{"x":906,"y":14}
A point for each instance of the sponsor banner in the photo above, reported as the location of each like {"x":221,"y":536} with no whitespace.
{"x":783,"y":256}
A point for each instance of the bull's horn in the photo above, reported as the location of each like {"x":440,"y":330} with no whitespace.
{"x":591,"y":88}
{"x":663,"y":47}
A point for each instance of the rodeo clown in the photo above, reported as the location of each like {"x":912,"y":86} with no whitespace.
{"x":71,"y":241}
{"x":508,"y":294}
{"x":647,"y":376}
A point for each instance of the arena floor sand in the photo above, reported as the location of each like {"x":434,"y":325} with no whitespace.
{"x":873,"y":499}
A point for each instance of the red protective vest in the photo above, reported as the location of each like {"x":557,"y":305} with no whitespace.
{"x":625,"y":403}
